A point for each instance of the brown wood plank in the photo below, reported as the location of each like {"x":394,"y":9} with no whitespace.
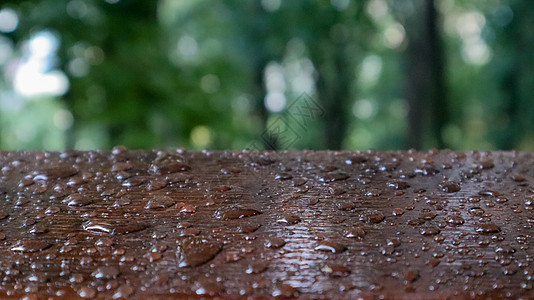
{"x":335,"y":225}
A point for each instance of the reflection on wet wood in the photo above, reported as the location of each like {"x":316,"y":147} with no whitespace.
{"x":337,"y":225}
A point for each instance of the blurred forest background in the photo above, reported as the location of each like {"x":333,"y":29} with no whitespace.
{"x":382,"y":74}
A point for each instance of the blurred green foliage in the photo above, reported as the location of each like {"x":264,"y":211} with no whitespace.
{"x":221,"y":74}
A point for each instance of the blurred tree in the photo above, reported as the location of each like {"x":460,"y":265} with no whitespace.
{"x":261,"y":39}
{"x":336,"y":37}
{"x":123,"y":87}
{"x":512,"y":68}
{"x":193,"y":73}
{"x":424,"y":76}
{"x":249,"y":36}
{"x":330,"y":33}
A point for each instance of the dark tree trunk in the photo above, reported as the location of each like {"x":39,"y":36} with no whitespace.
{"x":333,"y":89}
{"x":510,"y":86}
{"x":256,"y":35}
{"x":516,"y":80}
{"x":425,"y":86}
{"x":70,"y":134}
{"x":267,"y":141}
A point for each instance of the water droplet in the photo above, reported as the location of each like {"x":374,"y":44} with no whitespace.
{"x":398,"y":185}
{"x":29,"y":181}
{"x":236,"y":213}
{"x":30,"y":246}
{"x":398,"y":211}
{"x":156,"y":184}
{"x":354,"y":160}
{"x":193,"y":252}
{"x":415,"y":222}
{"x":118,"y":150}
{"x":312,"y":201}
{"x":52,"y":210}
{"x":283,"y":176}
{"x":486,"y":164}
{"x":286,"y":290}
{"x":171,"y":167}
{"x":487,"y":228}
{"x":372,"y":216}
{"x":394,"y":241}
{"x":333,"y":176}
{"x":449,"y":186}
{"x":184,"y":225}
{"x":233,"y":256}
{"x":188,"y":208}
{"x":505,"y":250}
{"x":38,"y":229}
{"x":104,"y":242}
{"x":355,"y":232}
{"x":152,"y":257}
{"x":123,"y":291}
{"x":121,"y":166}
{"x":476,"y":211}
{"x":426,"y":171}
{"x":189,"y":232}
{"x":159,"y":248}
{"x":434,"y":262}
{"x":290,"y":219}
{"x":336,"y":190}
{"x":78,"y":200}
{"x":298,"y":181}
{"x":489,"y":193}
{"x":248,"y":228}
{"x":427,"y":216}
{"x":76,"y":278}
{"x":256,"y":268}
{"x":345,"y":205}
{"x":373,"y":192}
{"x":160,"y":202}
{"x":275,"y":242}
{"x":220,"y":188}
{"x":345,"y":286}
{"x":123,"y":176}
{"x":122,"y":202}
{"x":335,"y":270}
{"x":40,"y":189}
{"x":518,"y":177}
{"x":230,"y":171}
{"x":107,"y":272}
{"x":55,"y":173}
{"x":501,"y":199}
{"x":332,"y":246}
{"x":113,"y":228}
{"x":134,"y":181}
{"x":429,"y":230}
{"x":208,"y":288}
{"x":28,"y":222}
{"x":87,"y":292}
{"x":455,"y":220}
{"x":410,"y":275}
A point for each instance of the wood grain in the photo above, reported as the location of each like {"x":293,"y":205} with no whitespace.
{"x":251,"y":224}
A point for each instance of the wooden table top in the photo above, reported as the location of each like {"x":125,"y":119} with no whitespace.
{"x":232,"y":225}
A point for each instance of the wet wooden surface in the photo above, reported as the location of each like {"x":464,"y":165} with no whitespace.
{"x":232,"y":225}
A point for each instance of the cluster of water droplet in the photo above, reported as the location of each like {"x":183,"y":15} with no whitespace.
{"x":253,"y":223}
